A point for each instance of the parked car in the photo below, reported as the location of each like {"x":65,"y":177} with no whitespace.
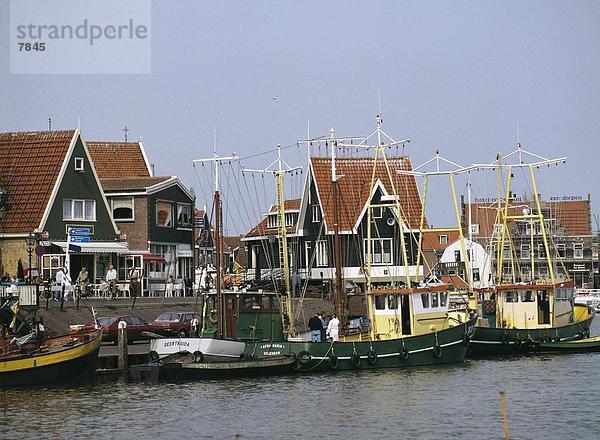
{"x":174,"y":323}
{"x":136,"y":327}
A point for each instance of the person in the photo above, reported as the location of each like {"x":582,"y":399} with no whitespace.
{"x":67,"y":284}
{"x":296,"y":283}
{"x":315,"y":325}
{"x":83,"y":280}
{"x":323,"y":326}
{"x":170,"y":286}
{"x":134,"y":284}
{"x":333,"y":328}
{"x":60,"y":274}
{"x":111,"y":279}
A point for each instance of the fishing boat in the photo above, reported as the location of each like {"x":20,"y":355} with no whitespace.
{"x":520,"y":312}
{"x":579,"y":346}
{"x":411,"y":322}
{"x":27,"y":361}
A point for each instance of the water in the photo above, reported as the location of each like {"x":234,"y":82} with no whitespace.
{"x":548,"y":396}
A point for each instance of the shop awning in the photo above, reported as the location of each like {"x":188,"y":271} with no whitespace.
{"x":96,"y":247}
{"x":148,"y":257}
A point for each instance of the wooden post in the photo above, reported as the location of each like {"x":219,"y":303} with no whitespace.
{"x":504,"y":415}
{"x":122,"y":355}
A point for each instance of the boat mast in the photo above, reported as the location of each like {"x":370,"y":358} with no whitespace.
{"x":220,"y":298}
{"x":282,"y":168}
{"x":340,"y":296}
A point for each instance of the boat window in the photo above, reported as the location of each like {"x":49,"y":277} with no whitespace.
{"x":564,"y":294}
{"x":527,"y":296}
{"x":379,"y":302}
{"x":443,"y":298}
{"x":425,"y":300}
{"x":392,"y":302}
{"x":434,"y":299}
{"x":512,"y":297}
{"x":247,"y":302}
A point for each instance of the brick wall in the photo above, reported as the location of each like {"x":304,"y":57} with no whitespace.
{"x":12,"y":249}
{"x":137,"y":231}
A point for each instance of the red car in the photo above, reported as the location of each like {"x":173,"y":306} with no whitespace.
{"x":136,"y":326}
{"x":174,"y":323}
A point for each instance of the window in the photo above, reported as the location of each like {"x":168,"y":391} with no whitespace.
{"x":443,"y":298}
{"x":525,"y":251}
{"x":561,"y":250}
{"x":50,"y":265}
{"x":79,"y":164}
{"x":457,"y":256}
{"x":543,"y":271}
{"x":475,"y":229}
{"x":379,"y":302}
{"x":577,"y":250}
{"x":527,"y":296}
{"x":307,"y":255}
{"x":434,"y":299}
{"x":164,"y":214}
{"x":541,"y":251}
{"x":425,"y":300}
{"x":184,"y":215}
{"x":272,"y":221}
{"x":376,"y":212}
{"x":381,"y":250}
{"x":290,"y":219}
{"x":79,"y":209}
{"x":392,"y":302}
{"x":476,"y":276}
{"x":512,"y":297}
{"x":122,"y":208}
{"x":316,"y":213}
{"x":321,"y":253}
{"x":498,"y":228}
{"x":443,"y":239}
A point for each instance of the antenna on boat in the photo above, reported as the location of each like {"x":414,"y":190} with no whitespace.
{"x":279,"y":168}
{"x":217,"y":161}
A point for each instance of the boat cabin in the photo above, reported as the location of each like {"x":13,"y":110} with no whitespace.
{"x":397,"y":313}
{"x":529,"y":306}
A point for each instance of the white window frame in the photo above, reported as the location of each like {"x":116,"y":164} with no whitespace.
{"x":315,"y":213}
{"x":322,"y":257}
{"x":158,"y":202}
{"x":112,"y":209}
{"x":541,"y":251}
{"x":79,"y":164}
{"x":475,"y":229}
{"x":525,"y":251}
{"x":385,"y":258}
{"x":84,"y":203}
{"x":443,"y":239}
{"x":578,"y":247}
{"x":307,"y":249}
{"x":272,"y":221}
{"x":377,"y":212}
{"x":498,"y":227}
{"x":290,"y":219}
{"x":187,"y":225}
{"x":475,"y":275}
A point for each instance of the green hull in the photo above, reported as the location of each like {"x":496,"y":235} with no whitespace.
{"x":446,"y":346}
{"x":499,"y":341}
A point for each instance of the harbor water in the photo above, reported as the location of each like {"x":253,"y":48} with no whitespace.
{"x":548,"y":397}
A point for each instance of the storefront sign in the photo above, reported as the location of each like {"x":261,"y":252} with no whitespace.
{"x":79,"y":239}
{"x":80,"y":231}
{"x":182,"y":253}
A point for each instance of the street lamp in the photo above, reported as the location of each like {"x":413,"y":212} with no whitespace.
{"x":30,"y":240}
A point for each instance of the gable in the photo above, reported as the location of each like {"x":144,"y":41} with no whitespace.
{"x":119,"y":159}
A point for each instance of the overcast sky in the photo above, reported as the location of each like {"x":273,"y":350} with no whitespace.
{"x":458,"y":76}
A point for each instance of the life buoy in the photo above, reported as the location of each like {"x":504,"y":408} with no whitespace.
{"x":372,"y":357}
{"x":304,"y":357}
{"x":437,"y":350}
{"x":404,"y":353}
{"x":153,"y":356}
{"x":355,"y":359}
{"x":198,"y":357}
{"x":333,"y":361}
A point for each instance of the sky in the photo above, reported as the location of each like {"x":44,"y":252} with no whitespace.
{"x":455,"y":76}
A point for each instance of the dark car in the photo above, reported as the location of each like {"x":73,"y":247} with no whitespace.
{"x":136,"y":327}
{"x":174,"y":323}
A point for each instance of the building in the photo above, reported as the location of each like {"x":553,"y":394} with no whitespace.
{"x":568,"y":225}
{"x":310,"y":224}
{"x":154,"y":213}
{"x":51,"y":186}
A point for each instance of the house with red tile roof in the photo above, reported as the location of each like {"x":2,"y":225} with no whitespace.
{"x":310,"y":223}
{"x":51,"y":187}
{"x":154,"y":213}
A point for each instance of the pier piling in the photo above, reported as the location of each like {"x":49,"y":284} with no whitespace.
{"x":123,"y":364}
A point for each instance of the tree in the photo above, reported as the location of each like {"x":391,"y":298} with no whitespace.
{"x":20,"y":272}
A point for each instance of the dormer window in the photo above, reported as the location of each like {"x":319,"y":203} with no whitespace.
{"x":272,"y":221}
{"x":79,"y":164}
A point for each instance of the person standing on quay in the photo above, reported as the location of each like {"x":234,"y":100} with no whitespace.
{"x":315,"y":325}
{"x":134,"y":284}
{"x":111,"y":279}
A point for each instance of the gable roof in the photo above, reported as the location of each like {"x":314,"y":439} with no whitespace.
{"x":355,"y":188}
{"x":431,"y":239}
{"x":291,"y":205}
{"x":30,"y":165}
{"x":131,"y":183}
{"x":119,"y":159}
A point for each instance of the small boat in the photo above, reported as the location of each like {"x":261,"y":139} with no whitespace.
{"x":588,"y":297}
{"x":26,"y":362}
{"x":579,"y":346}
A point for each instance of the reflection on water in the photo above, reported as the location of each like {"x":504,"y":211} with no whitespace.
{"x":548,"y":396}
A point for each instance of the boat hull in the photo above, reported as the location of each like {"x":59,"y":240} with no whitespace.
{"x":446,"y":346}
{"x":227,"y":370}
{"x":68,"y":365}
{"x":212,"y":349}
{"x":498,"y":341}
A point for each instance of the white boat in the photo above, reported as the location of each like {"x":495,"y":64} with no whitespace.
{"x":588,"y":297}
{"x":203,"y":349}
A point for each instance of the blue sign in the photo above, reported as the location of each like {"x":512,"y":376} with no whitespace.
{"x":80,"y":231}
{"x":80,"y":239}
{"x":74,"y":248}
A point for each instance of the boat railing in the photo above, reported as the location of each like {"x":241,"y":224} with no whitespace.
{"x":28,"y":294}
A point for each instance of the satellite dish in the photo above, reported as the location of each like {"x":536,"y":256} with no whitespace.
{"x":391,"y":221}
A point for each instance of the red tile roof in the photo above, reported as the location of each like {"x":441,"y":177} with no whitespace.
{"x":30,"y":164}
{"x":431,"y":239}
{"x":131,"y":183}
{"x":118,"y":159}
{"x":261,"y":228}
{"x":355,"y":187}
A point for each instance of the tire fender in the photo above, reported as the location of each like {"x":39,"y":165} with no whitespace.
{"x":198,"y":357}
{"x":372,"y":357}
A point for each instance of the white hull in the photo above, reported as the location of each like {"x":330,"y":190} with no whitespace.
{"x":212,"y":349}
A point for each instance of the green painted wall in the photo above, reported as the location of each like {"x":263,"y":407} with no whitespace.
{"x":80,"y":185}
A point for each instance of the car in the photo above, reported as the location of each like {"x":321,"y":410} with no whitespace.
{"x":174,"y":323}
{"x":136,"y":328}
